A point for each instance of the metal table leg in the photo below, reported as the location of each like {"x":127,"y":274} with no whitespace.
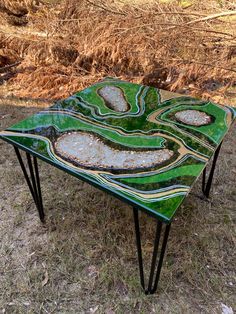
{"x":206,"y":186}
{"x":153,"y":278}
{"x":33,"y":181}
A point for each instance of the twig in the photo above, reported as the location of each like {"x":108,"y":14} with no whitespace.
{"x":174,"y":26}
{"x":3,"y":69}
{"x":105,"y":9}
{"x":212,"y":17}
{"x":169,"y":13}
{"x":178,"y":13}
{"x":202,"y":29}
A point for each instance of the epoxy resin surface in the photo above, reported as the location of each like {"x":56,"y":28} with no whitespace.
{"x":144,"y":145}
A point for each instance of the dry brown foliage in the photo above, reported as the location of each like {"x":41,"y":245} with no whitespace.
{"x":18,"y":7}
{"x":69,"y":45}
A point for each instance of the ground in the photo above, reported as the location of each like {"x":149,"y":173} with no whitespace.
{"x":83,"y":259}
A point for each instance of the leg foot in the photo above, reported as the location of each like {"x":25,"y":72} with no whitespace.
{"x":153,"y":277}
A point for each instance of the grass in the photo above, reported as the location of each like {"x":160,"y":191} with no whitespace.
{"x":83,"y":260}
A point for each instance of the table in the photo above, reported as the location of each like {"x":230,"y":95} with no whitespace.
{"x":145,"y":146}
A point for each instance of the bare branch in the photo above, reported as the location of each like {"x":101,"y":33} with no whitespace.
{"x":7,"y":67}
{"x":212,"y":17}
{"x":174,"y":25}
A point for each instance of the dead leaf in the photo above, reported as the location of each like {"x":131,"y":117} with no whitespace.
{"x":93,"y":309}
{"x":93,"y":271}
{"x":45,"y":280}
{"x":226,"y":309}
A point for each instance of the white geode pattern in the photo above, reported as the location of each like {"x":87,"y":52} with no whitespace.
{"x":88,"y":150}
{"x":193,"y":117}
{"x":114,"y":98}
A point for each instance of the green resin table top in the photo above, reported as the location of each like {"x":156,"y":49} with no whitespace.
{"x":146,"y":146}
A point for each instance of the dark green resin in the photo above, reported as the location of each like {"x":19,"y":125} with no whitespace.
{"x":149,"y":124}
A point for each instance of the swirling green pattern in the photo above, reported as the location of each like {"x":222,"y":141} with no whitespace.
{"x":128,"y":140}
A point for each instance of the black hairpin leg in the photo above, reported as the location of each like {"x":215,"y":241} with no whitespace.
{"x":207,"y":186}
{"x":153,"y":278}
{"x":33,"y":181}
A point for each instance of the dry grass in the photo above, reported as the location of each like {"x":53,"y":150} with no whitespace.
{"x":83,"y":260}
{"x":67,"y":46}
